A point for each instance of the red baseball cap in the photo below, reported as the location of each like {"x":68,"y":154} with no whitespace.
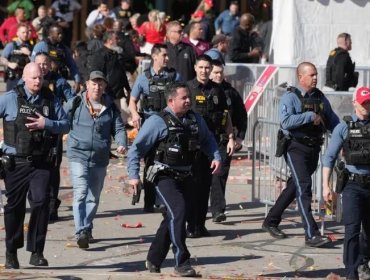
{"x":198,"y":13}
{"x":209,"y":3}
{"x":362,"y":95}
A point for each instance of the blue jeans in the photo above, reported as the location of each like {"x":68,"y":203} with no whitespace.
{"x":87,"y":184}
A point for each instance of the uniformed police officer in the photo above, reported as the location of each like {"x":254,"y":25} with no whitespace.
{"x":239,"y":120}
{"x":353,"y":136}
{"x":16,"y":55}
{"x":31,"y":115}
{"x":149,"y":87}
{"x":60,"y":55}
{"x":211,"y":103}
{"x":176,"y":135}
{"x":305,"y":115}
{"x":340,"y":71}
{"x":63,"y":91}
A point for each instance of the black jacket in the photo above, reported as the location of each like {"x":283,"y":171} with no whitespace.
{"x":241,"y":43}
{"x":111,"y":64}
{"x":182,"y":58}
{"x":340,"y":71}
{"x":239,"y":115}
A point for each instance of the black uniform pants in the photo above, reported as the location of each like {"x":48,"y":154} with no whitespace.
{"x":149,"y":187}
{"x":199,"y":188}
{"x":218,"y":186}
{"x":356,"y":209}
{"x":55,"y":176}
{"x":302,"y":161}
{"x":173,"y":194}
{"x":31,"y":179}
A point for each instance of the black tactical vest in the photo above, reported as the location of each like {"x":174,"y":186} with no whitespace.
{"x":18,"y":57}
{"x":207,"y":104}
{"x":58,"y":56}
{"x":155,"y":100}
{"x":182,"y":142}
{"x":311,"y":104}
{"x":356,"y":147}
{"x":17,"y":135}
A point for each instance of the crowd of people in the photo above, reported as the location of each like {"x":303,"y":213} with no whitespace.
{"x":190,"y":121}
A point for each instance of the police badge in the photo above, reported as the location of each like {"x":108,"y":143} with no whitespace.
{"x":45,"y":111}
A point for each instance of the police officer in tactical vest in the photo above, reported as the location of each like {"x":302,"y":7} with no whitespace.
{"x":174,"y":136}
{"x":62,"y":90}
{"x":353,"y":136}
{"x":32,"y":116}
{"x":149,"y":89}
{"x":209,"y":101}
{"x":61,"y":57}
{"x":16,"y":55}
{"x":340,"y":71}
{"x":305,"y":115}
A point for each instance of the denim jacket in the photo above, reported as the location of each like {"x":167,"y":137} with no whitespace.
{"x":90,"y":139}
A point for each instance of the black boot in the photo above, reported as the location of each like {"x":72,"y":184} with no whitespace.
{"x":11,"y":260}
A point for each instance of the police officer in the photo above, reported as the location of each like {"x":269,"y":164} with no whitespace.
{"x":340,"y":71}
{"x":353,"y":136}
{"x":60,"y":55}
{"x":63,"y":91}
{"x":305,"y":115}
{"x":176,"y":134}
{"x":16,"y":55}
{"x":239,"y":121}
{"x":31,"y":115}
{"x":211,"y":103}
{"x":150,"y":87}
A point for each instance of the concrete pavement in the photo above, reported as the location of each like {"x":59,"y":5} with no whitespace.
{"x":237,"y":249}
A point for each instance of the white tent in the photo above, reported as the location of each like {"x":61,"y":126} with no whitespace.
{"x":306,"y":30}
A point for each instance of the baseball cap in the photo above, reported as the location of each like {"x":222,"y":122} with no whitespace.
{"x":97,"y":75}
{"x":198,"y":13}
{"x":209,"y":2}
{"x":362,"y":95}
{"x":218,"y":39}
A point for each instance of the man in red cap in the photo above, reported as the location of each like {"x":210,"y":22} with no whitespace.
{"x":353,"y":181}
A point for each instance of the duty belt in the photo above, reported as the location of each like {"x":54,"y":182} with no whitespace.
{"x":360,"y":179}
{"x":309,"y":141}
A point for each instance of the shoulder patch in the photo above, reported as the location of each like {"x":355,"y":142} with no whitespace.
{"x":332,"y":53}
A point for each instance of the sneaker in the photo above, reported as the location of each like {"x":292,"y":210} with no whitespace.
{"x":83,"y":240}
{"x":152,"y":268}
{"x":317,"y":241}
{"x":185,"y":270}
{"x":363,"y":271}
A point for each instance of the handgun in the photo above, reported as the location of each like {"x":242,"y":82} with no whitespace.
{"x":136,"y":197}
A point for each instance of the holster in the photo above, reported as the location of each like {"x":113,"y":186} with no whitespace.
{"x":281,"y":144}
{"x":342,"y":176}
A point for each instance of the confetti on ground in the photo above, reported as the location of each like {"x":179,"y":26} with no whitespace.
{"x":138,"y":225}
